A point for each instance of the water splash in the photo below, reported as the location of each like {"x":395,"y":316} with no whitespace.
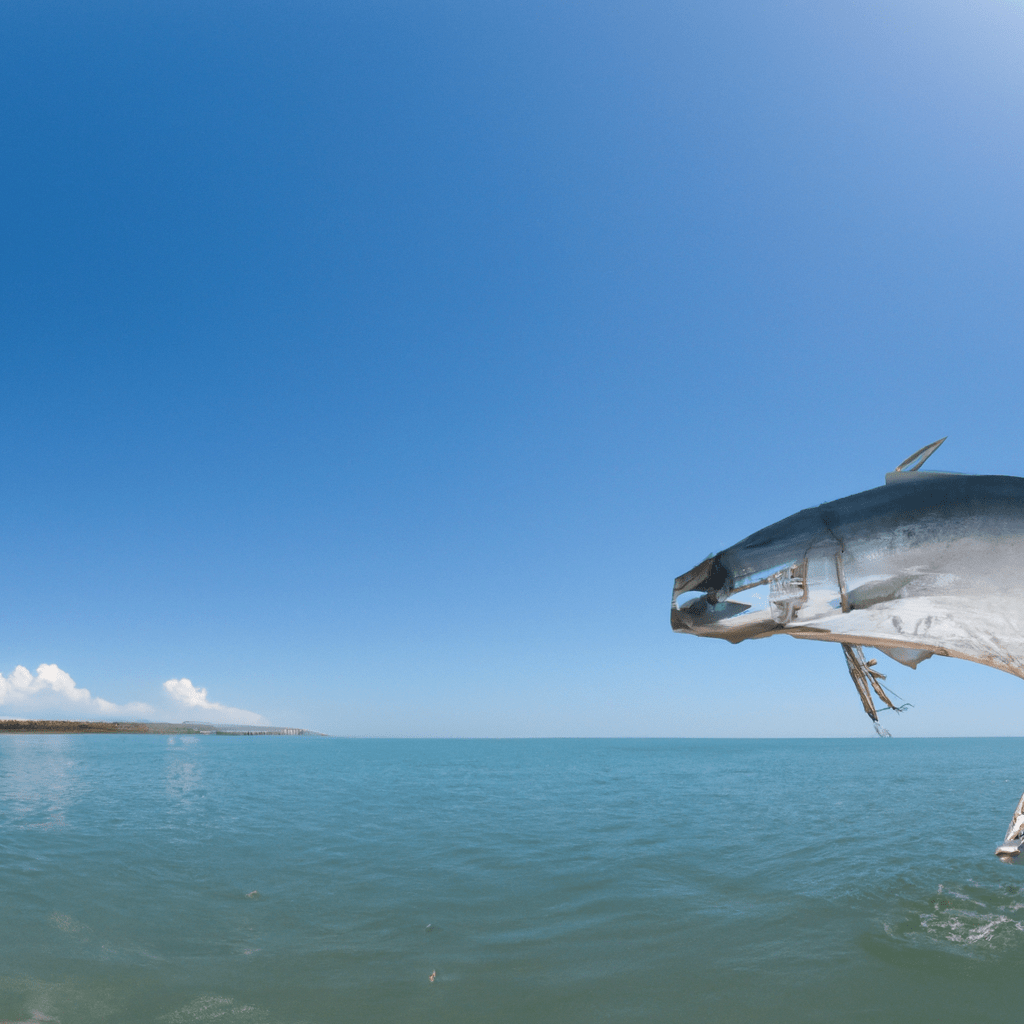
{"x":974,"y":918}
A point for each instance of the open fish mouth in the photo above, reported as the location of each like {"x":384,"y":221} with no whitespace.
{"x":710,"y":601}
{"x":699,"y":597}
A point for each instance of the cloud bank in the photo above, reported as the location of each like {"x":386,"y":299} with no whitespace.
{"x":184,"y":692}
{"x":52,"y":692}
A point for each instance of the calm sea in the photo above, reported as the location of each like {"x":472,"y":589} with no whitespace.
{"x":246,"y":879}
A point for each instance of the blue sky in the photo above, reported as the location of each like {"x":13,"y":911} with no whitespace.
{"x":376,"y":366}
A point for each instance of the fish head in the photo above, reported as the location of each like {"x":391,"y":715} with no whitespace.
{"x":743,"y":592}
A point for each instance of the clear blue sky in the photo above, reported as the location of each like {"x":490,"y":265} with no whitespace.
{"x":376,"y":366}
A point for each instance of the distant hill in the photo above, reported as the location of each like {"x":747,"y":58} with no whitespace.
{"x":21,"y":725}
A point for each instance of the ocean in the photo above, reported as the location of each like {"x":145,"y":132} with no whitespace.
{"x":300,"y":879}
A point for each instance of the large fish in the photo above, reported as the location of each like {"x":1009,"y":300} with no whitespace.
{"x":931,"y":563}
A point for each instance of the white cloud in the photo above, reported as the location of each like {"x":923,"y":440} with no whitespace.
{"x":185,"y":692}
{"x":52,"y":691}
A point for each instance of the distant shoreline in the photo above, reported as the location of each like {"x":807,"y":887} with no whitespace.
{"x":30,"y":725}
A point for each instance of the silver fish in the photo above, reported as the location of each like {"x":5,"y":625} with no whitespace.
{"x":931,"y":563}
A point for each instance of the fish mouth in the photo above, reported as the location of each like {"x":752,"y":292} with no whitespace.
{"x":699,"y":596}
{"x":702,"y":599}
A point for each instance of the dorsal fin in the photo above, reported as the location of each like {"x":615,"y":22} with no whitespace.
{"x":919,"y":458}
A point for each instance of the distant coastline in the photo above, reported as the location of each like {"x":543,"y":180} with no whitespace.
{"x":24,"y":725}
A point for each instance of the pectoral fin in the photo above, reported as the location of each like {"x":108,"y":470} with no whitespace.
{"x":909,"y":656}
{"x":867,"y":679}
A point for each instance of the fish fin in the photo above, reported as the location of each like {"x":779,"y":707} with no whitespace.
{"x":1016,"y":830}
{"x":914,"y":462}
{"x":859,"y":674}
{"x":876,"y":685}
{"x":866,"y":679}
{"x":909,"y":656}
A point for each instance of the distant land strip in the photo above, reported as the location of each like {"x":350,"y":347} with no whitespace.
{"x":163,"y":728}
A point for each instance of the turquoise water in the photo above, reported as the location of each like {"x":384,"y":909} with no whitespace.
{"x":147,"y":878}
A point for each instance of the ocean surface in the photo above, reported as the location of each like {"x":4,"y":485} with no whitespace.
{"x":266,"y":879}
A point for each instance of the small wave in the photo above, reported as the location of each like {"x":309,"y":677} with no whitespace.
{"x":978,"y":920}
{"x":214,"y":1008}
{"x":51,"y":823}
{"x":66,"y":923}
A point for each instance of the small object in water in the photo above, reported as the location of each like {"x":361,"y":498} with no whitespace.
{"x":1014,"y":834}
{"x":254,"y":895}
{"x":433,"y":976}
{"x":430,"y":928}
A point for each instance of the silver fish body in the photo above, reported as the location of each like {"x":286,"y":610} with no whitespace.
{"x":930,"y":563}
